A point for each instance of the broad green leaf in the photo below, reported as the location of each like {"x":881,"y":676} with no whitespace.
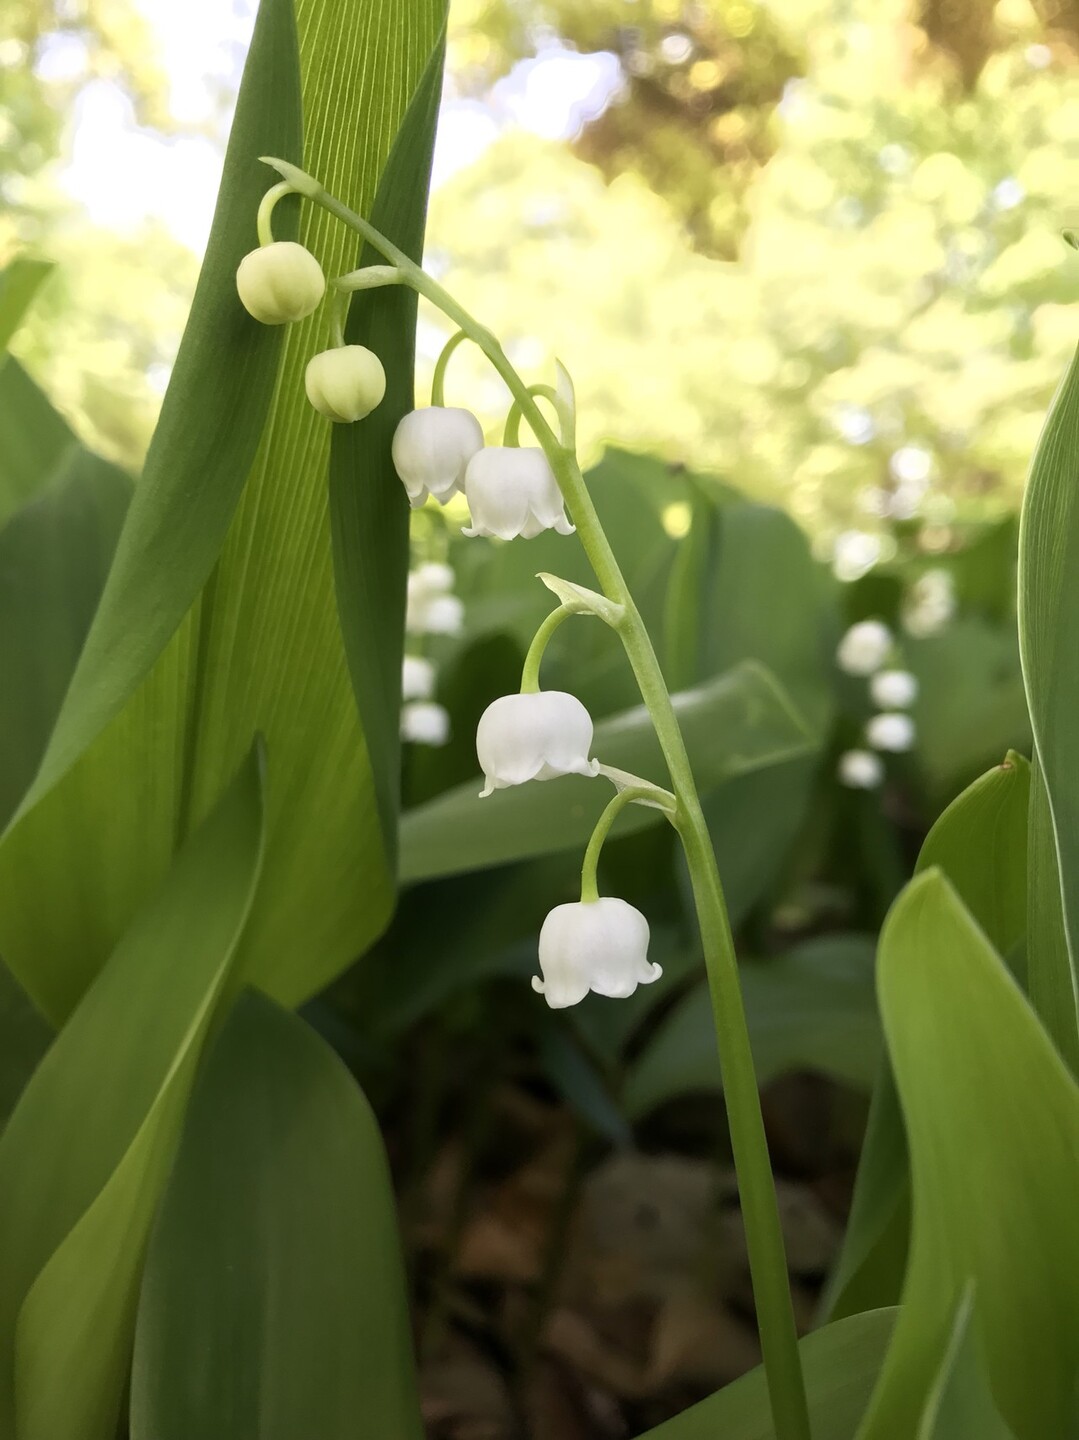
{"x":1049,"y":644}
{"x":369,"y":511}
{"x":24,"y":1038}
{"x":980,"y":843}
{"x":274,"y":1304}
{"x":733,"y":724}
{"x":840,"y":1363}
{"x":992,"y":1120}
{"x":261,"y":650}
{"x":1052,"y":983}
{"x":811,"y":1009}
{"x":54,"y":556}
{"x":970,"y":708}
{"x":576,"y":1078}
{"x":19,"y":283}
{"x":87,"y":1149}
{"x":873,"y":1261}
{"x":764,"y":598}
{"x":35,"y":441}
{"x":960,"y":1406}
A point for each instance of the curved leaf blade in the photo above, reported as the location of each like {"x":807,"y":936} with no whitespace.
{"x":992,"y":1119}
{"x":78,"y":1181}
{"x":274,"y":1301}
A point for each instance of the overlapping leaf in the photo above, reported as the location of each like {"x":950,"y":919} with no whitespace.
{"x":273,"y":1304}
{"x":992,"y":1119}
{"x":153,"y":725}
{"x":1049,"y":644}
{"x":85,"y":1154}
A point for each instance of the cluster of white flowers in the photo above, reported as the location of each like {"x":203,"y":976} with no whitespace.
{"x":595,"y":944}
{"x":432,"y":609}
{"x":863,"y":651}
{"x":511,"y":491}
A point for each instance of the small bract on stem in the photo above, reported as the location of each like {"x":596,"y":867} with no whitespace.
{"x":539,"y":734}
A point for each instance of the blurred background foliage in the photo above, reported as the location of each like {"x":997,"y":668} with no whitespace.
{"x":813,"y":247}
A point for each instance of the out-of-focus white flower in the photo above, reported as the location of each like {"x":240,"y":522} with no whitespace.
{"x":513,"y":492}
{"x":893,"y":689}
{"x":930,"y":604}
{"x":431,"y":609}
{"x":599,"y":945}
{"x":864,"y":648}
{"x":854,"y":554}
{"x":534,"y":737}
{"x":890,"y":731}
{"x":860,"y":769}
{"x":425,"y":723}
{"x":417,"y":678}
{"x":280,"y":282}
{"x":345,"y":383}
{"x":431,"y":449}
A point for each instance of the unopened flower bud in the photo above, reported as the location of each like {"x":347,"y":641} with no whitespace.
{"x":423,"y":722}
{"x":513,"y":492}
{"x":599,"y":945}
{"x":860,"y":769}
{"x":890,"y":731}
{"x":864,"y":648}
{"x":534,"y":737}
{"x":345,"y":383}
{"x":417,"y":678}
{"x":431,"y":449}
{"x":280,"y":282}
{"x":893,"y":689}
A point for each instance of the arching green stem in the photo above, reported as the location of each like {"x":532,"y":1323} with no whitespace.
{"x":589,"y":890}
{"x":760,"y":1210}
{"x":511,"y":434}
{"x":534,"y":658}
{"x":438,"y":379}
{"x":264,"y":222}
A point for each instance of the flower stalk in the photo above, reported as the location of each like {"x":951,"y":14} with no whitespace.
{"x":764,"y":1238}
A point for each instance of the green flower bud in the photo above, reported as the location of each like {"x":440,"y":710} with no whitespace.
{"x":345,"y":384}
{"x":280,"y":282}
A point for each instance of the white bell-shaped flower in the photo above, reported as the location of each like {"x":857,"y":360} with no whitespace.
{"x":280,"y":282}
{"x":417,"y":678}
{"x":345,"y":383}
{"x":893,"y":689}
{"x":513,"y":492}
{"x":891,"y":731}
{"x":864,"y":648}
{"x":423,"y":722}
{"x":431,"y":449}
{"x":860,"y":769}
{"x":599,"y":945}
{"x":534,"y":737}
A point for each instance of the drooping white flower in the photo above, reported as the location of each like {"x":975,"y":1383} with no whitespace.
{"x":345,"y":383}
{"x":431,"y":609}
{"x":513,"y":492}
{"x":893,"y":689}
{"x":534,"y":737}
{"x":890,"y":731}
{"x":431,"y":449}
{"x":280,"y":282}
{"x":860,"y":769}
{"x":423,"y":722}
{"x":599,"y":945}
{"x":417,"y":678}
{"x":864,"y":648}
